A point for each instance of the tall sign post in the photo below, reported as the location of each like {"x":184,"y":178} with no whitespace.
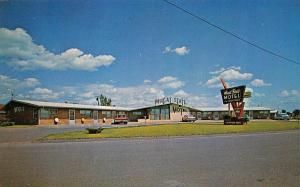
{"x":234,"y":96}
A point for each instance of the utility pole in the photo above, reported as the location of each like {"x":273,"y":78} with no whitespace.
{"x":11,"y":94}
{"x":98,"y":100}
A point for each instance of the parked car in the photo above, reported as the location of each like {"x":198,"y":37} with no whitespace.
{"x":121,"y":118}
{"x":282,"y":117}
{"x":189,"y":118}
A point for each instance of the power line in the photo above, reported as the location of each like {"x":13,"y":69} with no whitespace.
{"x":232,"y":34}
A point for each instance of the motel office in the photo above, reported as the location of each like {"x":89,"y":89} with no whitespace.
{"x":44,"y":113}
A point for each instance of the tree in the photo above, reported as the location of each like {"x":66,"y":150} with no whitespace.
{"x":296,"y":112}
{"x":103,"y":100}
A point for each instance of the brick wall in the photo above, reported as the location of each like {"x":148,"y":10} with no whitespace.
{"x":21,"y":113}
{"x":2,"y":116}
{"x":177,"y":112}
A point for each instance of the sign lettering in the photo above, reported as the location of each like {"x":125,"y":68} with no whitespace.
{"x":19,"y":109}
{"x":178,"y":109}
{"x":235,"y":94}
{"x":168,"y":100}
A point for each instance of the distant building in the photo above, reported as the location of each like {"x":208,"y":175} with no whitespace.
{"x":219,"y":113}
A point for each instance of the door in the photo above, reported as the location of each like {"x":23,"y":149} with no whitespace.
{"x":95,"y":117}
{"x":72,"y":117}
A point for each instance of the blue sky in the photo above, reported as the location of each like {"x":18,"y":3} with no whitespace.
{"x":137,"y":51}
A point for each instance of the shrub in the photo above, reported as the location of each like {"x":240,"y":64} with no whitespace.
{"x":94,"y":130}
{"x":5,"y":124}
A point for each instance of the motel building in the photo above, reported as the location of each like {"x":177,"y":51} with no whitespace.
{"x":164,"y":110}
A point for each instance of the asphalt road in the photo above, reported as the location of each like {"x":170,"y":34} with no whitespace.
{"x":271,"y":159}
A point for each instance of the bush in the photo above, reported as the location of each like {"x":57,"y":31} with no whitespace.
{"x":5,"y":124}
{"x":94,"y":130}
{"x":227,"y":117}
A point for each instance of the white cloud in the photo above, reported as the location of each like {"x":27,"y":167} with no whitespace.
{"x":180,"y":93}
{"x":223,"y":69}
{"x":284,"y":93}
{"x":290,"y":93}
{"x":8,"y":83}
{"x":167,"y":79}
{"x":31,"y":82}
{"x":182,"y":50}
{"x":88,"y":94}
{"x":132,"y":96}
{"x":138,"y":96}
{"x":43,"y":93}
{"x":179,"y":50}
{"x":175,"y":84}
{"x":14,"y":84}
{"x":259,"y":94}
{"x":170,"y":82}
{"x":259,"y":83}
{"x":198,"y":101}
{"x":19,"y":51}
{"x":147,"y":81}
{"x":232,"y":73}
{"x":168,"y":49}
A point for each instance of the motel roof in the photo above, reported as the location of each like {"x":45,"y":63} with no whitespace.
{"x":152,"y":106}
{"x":96,"y":107}
{"x":69,"y":105}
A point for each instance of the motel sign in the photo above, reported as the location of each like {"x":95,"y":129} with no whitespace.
{"x":234,"y":94}
{"x":170,"y":100}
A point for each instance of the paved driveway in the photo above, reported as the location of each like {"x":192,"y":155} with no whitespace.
{"x":17,"y":135}
{"x":271,"y":159}
{"x":28,"y":134}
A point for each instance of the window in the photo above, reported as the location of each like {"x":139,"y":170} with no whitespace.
{"x":49,"y":113}
{"x":35,"y":113}
{"x":106,"y":114}
{"x":121,"y":113}
{"x":137,"y":113}
{"x":164,"y":114}
{"x":154,"y":114}
{"x":54,"y":111}
{"x":199,"y":116}
{"x":86,"y":113}
{"x":114,"y":114}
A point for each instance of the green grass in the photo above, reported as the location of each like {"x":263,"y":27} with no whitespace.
{"x":178,"y":130}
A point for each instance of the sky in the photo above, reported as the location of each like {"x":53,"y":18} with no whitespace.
{"x":137,"y":51}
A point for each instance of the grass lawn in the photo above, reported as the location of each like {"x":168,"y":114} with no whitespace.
{"x":179,"y":130}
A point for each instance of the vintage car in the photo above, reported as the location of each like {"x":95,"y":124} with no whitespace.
{"x":189,"y":118}
{"x":282,"y":116}
{"x":120,"y":119}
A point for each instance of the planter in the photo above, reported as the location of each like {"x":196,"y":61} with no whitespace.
{"x":94,"y":130}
